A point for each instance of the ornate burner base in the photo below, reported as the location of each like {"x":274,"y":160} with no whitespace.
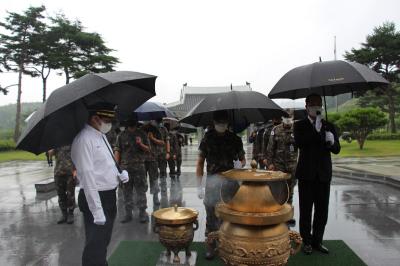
{"x":254,"y":245}
{"x":168,"y":260}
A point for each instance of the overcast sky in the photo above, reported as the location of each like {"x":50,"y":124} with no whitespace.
{"x":213,"y":43}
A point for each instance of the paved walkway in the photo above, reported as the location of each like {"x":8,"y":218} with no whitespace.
{"x":382,"y":170}
{"x":365,"y":215}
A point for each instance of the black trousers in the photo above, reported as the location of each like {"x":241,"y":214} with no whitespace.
{"x":313,"y":193}
{"x":97,"y":236}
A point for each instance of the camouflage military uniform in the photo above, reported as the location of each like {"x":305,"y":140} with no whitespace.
{"x":151,"y":157}
{"x":258,"y":144}
{"x":132,"y":160}
{"x":219,"y":151}
{"x":266,"y":135}
{"x":181,"y":142}
{"x":162,"y":160}
{"x":112,"y":135}
{"x":173,"y":143}
{"x":282,"y":153}
{"x":63,"y":178}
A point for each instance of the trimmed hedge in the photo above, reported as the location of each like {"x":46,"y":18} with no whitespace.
{"x":384,"y":136}
{"x":7,"y":145}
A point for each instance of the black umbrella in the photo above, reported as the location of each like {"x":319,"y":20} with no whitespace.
{"x":152,"y":111}
{"x":245,"y":107}
{"x":186,"y":128}
{"x":327,"y":78}
{"x":64,"y":114}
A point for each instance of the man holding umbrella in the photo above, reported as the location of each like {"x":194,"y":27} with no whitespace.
{"x":316,"y":140}
{"x":222,"y":150}
{"x":98,"y":178}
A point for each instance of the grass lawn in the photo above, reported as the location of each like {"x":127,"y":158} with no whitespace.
{"x":20,"y":155}
{"x":372,"y":148}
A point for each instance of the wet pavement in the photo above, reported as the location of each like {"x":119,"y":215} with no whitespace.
{"x":363,"y":214}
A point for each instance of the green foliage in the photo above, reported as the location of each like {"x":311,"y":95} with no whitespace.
{"x":7,"y":115}
{"x":384,"y":136}
{"x":20,"y":155}
{"x":6,"y":134}
{"x":334,"y":118}
{"x":16,"y":44}
{"x":381,"y":52}
{"x":16,"y":51}
{"x":361,"y":122}
{"x":78,"y":52}
{"x":7,"y":145}
{"x":375,"y":148}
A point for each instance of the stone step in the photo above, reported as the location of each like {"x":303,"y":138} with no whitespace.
{"x":45,"y":185}
{"x":365,"y":176}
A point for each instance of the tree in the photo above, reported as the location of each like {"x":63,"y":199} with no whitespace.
{"x":371,"y":99}
{"x":333,"y":118}
{"x":15,"y":48}
{"x":381,"y":52}
{"x":94,"y":53}
{"x":3,"y":90}
{"x":66,"y":55}
{"x":44,"y":60}
{"x":361,"y":122}
{"x":79,"y":52}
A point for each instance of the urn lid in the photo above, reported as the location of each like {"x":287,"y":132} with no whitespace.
{"x":255,"y":175}
{"x":175,"y":215}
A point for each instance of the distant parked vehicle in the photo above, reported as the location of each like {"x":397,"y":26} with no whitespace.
{"x":347,"y":137}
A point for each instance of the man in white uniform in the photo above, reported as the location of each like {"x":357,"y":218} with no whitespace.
{"x":98,"y":179}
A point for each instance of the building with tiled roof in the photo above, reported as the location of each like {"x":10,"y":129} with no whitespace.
{"x":190,"y":96}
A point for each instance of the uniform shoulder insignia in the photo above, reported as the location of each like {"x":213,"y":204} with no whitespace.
{"x":273,"y":132}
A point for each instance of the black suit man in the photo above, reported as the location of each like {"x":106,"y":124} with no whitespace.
{"x":316,"y":139}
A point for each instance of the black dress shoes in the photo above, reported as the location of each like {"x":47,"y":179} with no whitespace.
{"x":307,"y":249}
{"x":321,"y":248}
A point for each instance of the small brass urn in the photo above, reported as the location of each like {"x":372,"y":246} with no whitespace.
{"x":175,"y":227}
{"x":254,"y":230}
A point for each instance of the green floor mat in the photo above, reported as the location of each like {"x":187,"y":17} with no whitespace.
{"x":143,"y":253}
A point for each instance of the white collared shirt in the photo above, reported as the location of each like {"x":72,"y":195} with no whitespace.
{"x":95,"y":167}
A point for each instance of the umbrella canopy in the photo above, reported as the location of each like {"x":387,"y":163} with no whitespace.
{"x":327,"y":78}
{"x":152,"y":111}
{"x":245,"y":107}
{"x":186,"y":128}
{"x":64,"y":114}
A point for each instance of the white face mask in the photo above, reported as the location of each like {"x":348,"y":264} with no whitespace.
{"x":105,"y":127}
{"x":221,"y":128}
{"x":314,"y":110}
{"x":121,"y":128}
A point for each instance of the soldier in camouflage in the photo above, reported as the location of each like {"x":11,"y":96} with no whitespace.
{"x":267,"y":133}
{"x":173,"y":141}
{"x":65,"y":181}
{"x":181,"y":143}
{"x":282,"y":153}
{"x":163,"y":155}
{"x":151,"y":158}
{"x":257,"y":139}
{"x":130,"y":149}
{"x":222,"y":150}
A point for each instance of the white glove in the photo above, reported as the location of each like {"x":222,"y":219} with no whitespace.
{"x":318,"y":123}
{"x":200,"y":192}
{"x":237,"y":164}
{"x":329,"y":137}
{"x":123,"y":176}
{"x":99,"y":218}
